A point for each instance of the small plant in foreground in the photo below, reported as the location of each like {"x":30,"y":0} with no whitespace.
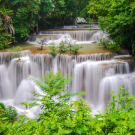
{"x":14,"y":52}
{"x":7,"y":115}
{"x":61,"y":116}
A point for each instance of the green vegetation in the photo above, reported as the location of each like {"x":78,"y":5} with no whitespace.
{"x":61,"y":116}
{"x":21,"y":18}
{"x":18,"y":19}
{"x":104,"y":42}
{"x":75,"y":49}
{"x":7,"y":115}
{"x":65,"y":47}
{"x":62,"y":48}
{"x":53,"y":49}
{"x":117,"y":18}
{"x":108,"y":45}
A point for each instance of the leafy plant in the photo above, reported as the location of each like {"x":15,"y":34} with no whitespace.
{"x":62,"y":116}
{"x":53,"y":49}
{"x":75,"y":49}
{"x":104,"y":42}
{"x":14,"y":52}
{"x":113,"y":47}
{"x":7,"y":115}
{"x":62,"y":47}
{"x":5,"y":40}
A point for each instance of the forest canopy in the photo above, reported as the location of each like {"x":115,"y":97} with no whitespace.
{"x":116,"y":17}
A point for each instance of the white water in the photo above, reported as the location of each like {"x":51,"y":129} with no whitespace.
{"x":73,"y":36}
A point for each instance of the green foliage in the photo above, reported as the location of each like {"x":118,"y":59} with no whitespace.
{"x":75,"y":49}
{"x":62,"y":48}
{"x":8,"y":112}
{"x":53,"y":49}
{"x":72,"y":48}
{"x":113,"y":47}
{"x":108,"y":45}
{"x":62,"y":116}
{"x":7,"y":115}
{"x":5,"y":40}
{"x":117,"y":17}
{"x":104,"y":42}
{"x":14,"y":51}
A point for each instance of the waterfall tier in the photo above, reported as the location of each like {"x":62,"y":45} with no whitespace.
{"x":92,"y":74}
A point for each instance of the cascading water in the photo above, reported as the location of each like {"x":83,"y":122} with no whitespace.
{"x":75,"y":36}
{"x":96,"y":74}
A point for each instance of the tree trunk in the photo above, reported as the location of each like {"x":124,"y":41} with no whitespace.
{"x":33,"y":30}
{"x":63,"y":21}
{"x":41,"y":47}
{"x":132,"y":43}
{"x":37,"y":27}
{"x":5,"y":20}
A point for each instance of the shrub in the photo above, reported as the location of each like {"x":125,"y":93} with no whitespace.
{"x":61,"y":116}
{"x":113,"y":47}
{"x":5,"y":40}
{"x":62,"y":48}
{"x":53,"y":49}
{"x":7,"y":115}
{"x":75,"y":49}
{"x":104,"y":42}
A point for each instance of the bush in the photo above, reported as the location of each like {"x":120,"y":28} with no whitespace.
{"x":53,"y":49}
{"x":62,"y":48}
{"x":75,"y":49}
{"x":113,"y":47}
{"x":5,"y":40}
{"x":7,"y":115}
{"x":104,"y":42}
{"x":108,"y":45}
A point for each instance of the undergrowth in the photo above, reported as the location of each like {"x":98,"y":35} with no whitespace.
{"x":62,"y":116}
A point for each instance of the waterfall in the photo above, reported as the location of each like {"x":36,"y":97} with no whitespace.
{"x":97,"y":74}
{"x":110,"y":83}
{"x":24,"y":93}
{"x":76,"y":36}
{"x":5,"y":85}
{"x":89,"y":74}
{"x":89,"y":71}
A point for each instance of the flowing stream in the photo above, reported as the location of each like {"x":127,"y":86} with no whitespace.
{"x":96,"y":74}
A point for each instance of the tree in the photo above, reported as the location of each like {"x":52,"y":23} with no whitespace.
{"x":5,"y":15}
{"x":42,"y":42}
{"x":25,"y":16}
{"x":117,"y":17}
